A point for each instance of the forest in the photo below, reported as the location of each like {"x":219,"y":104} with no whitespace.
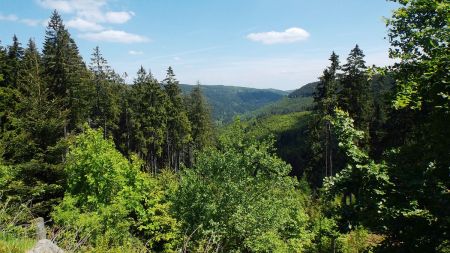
{"x":358,"y":161}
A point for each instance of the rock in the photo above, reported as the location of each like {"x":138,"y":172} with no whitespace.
{"x":41,"y":232}
{"x":45,"y":246}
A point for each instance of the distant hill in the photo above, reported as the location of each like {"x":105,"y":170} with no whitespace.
{"x":306,"y":90}
{"x":229,"y":101}
{"x":298,"y":100}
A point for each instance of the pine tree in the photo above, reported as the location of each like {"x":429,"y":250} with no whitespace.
{"x":9,"y":57}
{"x":324,"y":148}
{"x":65,"y":72}
{"x":14,"y":58}
{"x":32,"y":146}
{"x":178,"y":126}
{"x":355,"y":94}
{"x":149,"y":119}
{"x":105,"y":111}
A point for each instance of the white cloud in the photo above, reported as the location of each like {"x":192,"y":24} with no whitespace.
{"x":71,"y":6}
{"x":14,"y":18}
{"x":91,"y":17}
{"x":118,"y":17}
{"x":176,"y":58}
{"x":290,"y":35}
{"x":114,"y":36}
{"x":62,"y":6}
{"x":88,"y":10}
{"x":10,"y":17}
{"x":132,"y":52}
{"x":31,"y":22}
{"x":83,"y":25}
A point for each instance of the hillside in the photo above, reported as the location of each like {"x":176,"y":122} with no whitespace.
{"x":229,"y":101}
{"x":290,"y":133}
{"x":298,"y":100}
{"x":306,"y":90}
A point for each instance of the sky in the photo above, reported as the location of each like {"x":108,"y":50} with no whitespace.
{"x":280,"y":44}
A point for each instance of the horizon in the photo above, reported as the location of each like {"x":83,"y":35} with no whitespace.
{"x":203,"y":42}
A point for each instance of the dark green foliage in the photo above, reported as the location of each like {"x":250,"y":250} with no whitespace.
{"x":105,"y":111}
{"x":420,"y":37}
{"x":149,"y":120}
{"x":201,"y":123}
{"x":14,"y":57}
{"x":290,"y":132}
{"x":324,"y":159}
{"x":31,"y":146}
{"x":178,"y":132}
{"x":65,"y":73}
{"x":354,"y":94}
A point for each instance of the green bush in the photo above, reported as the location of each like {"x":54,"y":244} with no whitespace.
{"x":110,"y":203}
{"x":239,"y":198}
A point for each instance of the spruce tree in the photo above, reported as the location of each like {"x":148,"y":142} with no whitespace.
{"x":65,"y":72}
{"x":149,"y":119}
{"x":324,"y":149}
{"x":33,"y":146}
{"x":355,"y":94}
{"x":14,"y":58}
{"x":199,"y":114}
{"x":178,"y":126}
{"x":105,"y":111}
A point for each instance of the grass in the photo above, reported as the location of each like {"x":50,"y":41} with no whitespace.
{"x":16,"y":245}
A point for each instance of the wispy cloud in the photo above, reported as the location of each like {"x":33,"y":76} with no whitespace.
{"x":290,"y":35}
{"x":10,"y":17}
{"x":115,"y":36}
{"x":15,"y":18}
{"x":84,"y":25}
{"x":132,"y":52}
{"x":92,"y":17}
{"x":118,"y":17}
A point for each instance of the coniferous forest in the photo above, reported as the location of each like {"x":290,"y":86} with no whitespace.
{"x":359,"y":162}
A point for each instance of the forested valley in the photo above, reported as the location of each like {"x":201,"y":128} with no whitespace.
{"x":358,"y":161}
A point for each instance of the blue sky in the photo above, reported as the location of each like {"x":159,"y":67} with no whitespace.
{"x":280,"y":44}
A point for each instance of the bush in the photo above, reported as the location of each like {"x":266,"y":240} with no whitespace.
{"x":110,"y":203}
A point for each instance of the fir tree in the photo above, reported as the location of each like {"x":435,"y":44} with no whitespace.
{"x":355,"y":93}
{"x":65,"y":72}
{"x":14,"y":58}
{"x":178,"y":126}
{"x":32,"y":146}
{"x":149,"y":119}
{"x":105,"y":111}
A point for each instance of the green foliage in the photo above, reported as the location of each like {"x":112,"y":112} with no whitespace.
{"x":178,"y":133}
{"x":200,"y":118}
{"x":239,"y":197}
{"x":149,"y":105}
{"x":15,"y":245}
{"x":356,"y":241}
{"x":362,"y":179}
{"x":110,"y":202}
{"x":289,"y":132}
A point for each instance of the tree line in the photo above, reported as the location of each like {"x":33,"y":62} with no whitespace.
{"x":380,"y":137}
{"x":47,"y":96}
